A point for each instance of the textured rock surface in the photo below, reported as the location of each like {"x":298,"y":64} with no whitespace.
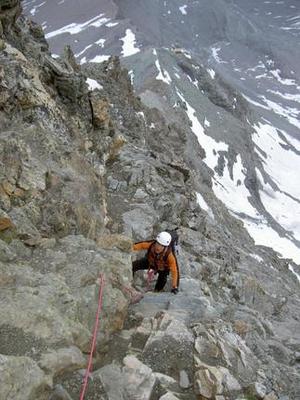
{"x":21,"y":378}
{"x":82,"y":175}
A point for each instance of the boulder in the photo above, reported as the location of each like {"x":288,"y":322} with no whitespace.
{"x":21,"y":378}
{"x":62,"y":360}
{"x":211,"y":381}
{"x":133,"y":381}
{"x":139,"y":379}
{"x":169,"y":349}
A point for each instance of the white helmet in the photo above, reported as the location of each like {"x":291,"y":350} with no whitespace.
{"x":164,"y":238}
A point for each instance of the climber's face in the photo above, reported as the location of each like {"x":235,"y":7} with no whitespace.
{"x":158,"y":248}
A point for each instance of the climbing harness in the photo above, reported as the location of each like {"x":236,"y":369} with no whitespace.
{"x":94,"y":337}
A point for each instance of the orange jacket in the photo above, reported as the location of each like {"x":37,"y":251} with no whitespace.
{"x":165,"y":260}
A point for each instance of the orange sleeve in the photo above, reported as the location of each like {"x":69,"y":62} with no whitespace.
{"x":142,"y":245}
{"x":172,"y":262}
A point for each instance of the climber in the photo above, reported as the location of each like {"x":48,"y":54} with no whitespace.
{"x":159,"y":258}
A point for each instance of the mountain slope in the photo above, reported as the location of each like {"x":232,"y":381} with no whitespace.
{"x":239,"y":78}
{"x":86,"y":168}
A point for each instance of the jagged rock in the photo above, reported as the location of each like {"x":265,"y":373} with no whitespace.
{"x":210,"y":381}
{"x":139,"y":379}
{"x":142,"y":334}
{"x":112,"y":380}
{"x":100,"y":109}
{"x":20,"y":378}
{"x":184,"y":381}
{"x":258,"y":389}
{"x":167,"y":382}
{"x":5,"y":221}
{"x":169,"y":348}
{"x":10,"y":10}
{"x":24,"y":228}
{"x":69,"y":59}
{"x":134,"y":380}
{"x":68,"y":79}
{"x":218,"y":346}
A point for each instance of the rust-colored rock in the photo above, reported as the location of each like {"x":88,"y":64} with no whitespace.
{"x":8,"y":188}
{"x":19,"y":192}
{"x":5,"y":223}
{"x":101,"y":117}
{"x":241,"y":327}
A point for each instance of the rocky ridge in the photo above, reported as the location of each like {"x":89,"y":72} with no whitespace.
{"x":83,"y":173}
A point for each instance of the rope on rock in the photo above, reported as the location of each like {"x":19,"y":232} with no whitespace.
{"x":94,"y":337}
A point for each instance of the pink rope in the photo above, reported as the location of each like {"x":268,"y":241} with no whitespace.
{"x":87,"y":372}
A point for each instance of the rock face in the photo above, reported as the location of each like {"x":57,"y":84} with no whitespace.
{"x":83,"y":174}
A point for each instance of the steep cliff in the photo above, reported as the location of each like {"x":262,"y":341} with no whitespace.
{"x":86,"y":168}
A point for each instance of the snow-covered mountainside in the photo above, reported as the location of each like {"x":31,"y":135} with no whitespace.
{"x":234,"y":67}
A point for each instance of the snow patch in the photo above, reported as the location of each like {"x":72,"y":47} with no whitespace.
{"x":183,"y":9}
{"x":163,"y":75}
{"x":83,"y":51}
{"x":210,"y":146}
{"x":99,"y":59}
{"x":131,"y":75}
{"x":232,"y":191}
{"x":281,"y":165}
{"x":266,"y":236}
{"x":73,"y":28}
{"x":101,"y":42}
{"x":288,"y":113}
{"x":215,"y":54}
{"x":287,"y":96}
{"x":129,"y":41}
{"x":206,"y":123}
{"x":255,"y":103}
{"x":294,"y":272}
{"x":283,"y":209}
{"x":256,"y":257}
{"x":211,"y":73}
{"x":112,"y":24}
{"x":202,"y":203}
{"x":93,"y":84}
{"x":288,"y":82}
{"x":141,"y":114}
{"x":34,"y":9}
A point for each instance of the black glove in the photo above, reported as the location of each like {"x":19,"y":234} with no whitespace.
{"x":174,"y":290}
